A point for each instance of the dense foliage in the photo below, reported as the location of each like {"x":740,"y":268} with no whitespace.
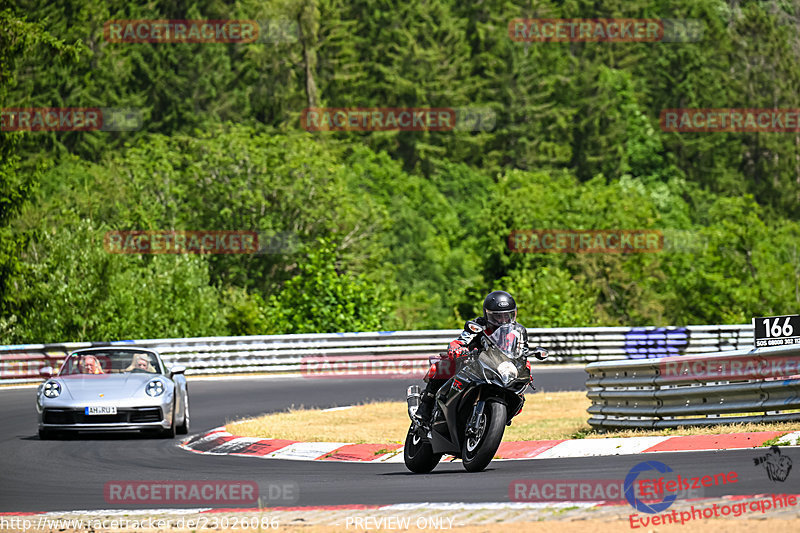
{"x":391,"y":230}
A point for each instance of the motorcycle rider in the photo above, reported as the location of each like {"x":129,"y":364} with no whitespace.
{"x":499,"y":308}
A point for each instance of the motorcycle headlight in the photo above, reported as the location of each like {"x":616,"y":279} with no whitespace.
{"x":155,"y":388}
{"x":507,"y":371}
{"x":52,"y":389}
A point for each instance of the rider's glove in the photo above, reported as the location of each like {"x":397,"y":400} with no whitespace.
{"x":456,"y":349}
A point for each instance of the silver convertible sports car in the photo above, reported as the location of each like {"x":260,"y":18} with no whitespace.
{"x":113,"y":389}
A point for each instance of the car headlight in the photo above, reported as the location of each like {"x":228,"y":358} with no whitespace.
{"x":155,"y":388}
{"x":507,"y":371}
{"x":52,"y":389}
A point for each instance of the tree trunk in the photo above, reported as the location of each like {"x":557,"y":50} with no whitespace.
{"x":306,"y":22}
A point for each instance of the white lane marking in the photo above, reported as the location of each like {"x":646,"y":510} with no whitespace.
{"x":305,"y":451}
{"x":22,"y":386}
{"x":337,"y":408}
{"x":460,"y":506}
{"x":211,"y":435}
{"x":556,"y":367}
{"x":393,"y":457}
{"x":593,"y":447}
{"x":126,"y":512}
{"x":233,"y":445}
{"x":212,"y":377}
{"x":790,"y":440}
{"x":397,"y":507}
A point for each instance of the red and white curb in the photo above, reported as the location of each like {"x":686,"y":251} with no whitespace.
{"x":219,"y":442}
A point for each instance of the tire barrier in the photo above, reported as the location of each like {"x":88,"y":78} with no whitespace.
{"x":755,"y":385}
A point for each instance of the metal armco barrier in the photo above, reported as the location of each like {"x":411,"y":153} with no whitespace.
{"x":286,"y":353}
{"x":756,"y":385}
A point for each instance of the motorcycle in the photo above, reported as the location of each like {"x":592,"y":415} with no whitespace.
{"x":473,"y":407}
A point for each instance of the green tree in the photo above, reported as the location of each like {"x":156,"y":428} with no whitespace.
{"x":18,"y":37}
{"x":322,"y":299}
{"x":77,"y":291}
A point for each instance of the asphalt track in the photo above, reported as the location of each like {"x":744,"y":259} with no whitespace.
{"x":70,"y":474}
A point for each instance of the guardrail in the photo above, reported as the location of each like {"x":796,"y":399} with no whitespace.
{"x":286,"y":353}
{"x":756,"y":385}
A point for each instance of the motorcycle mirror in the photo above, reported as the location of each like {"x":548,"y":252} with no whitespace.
{"x":540,"y":353}
{"x":475,"y":328}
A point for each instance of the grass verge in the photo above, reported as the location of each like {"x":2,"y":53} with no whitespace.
{"x":547,"y":415}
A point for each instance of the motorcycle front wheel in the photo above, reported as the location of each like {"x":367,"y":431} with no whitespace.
{"x":479,"y":449}
{"x":418,"y":454}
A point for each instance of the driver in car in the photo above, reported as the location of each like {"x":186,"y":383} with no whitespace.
{"x":499,"y":308}
{"x":140,"y":361}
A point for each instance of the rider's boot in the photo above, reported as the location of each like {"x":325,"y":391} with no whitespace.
{"x":425,"y":408}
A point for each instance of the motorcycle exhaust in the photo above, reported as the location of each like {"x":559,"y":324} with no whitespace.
{"x":412,"y":398}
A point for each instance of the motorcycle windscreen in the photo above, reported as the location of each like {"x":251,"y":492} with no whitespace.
{"x":508,"y":338}
{"x":493,"y":358}
{"x":496,"y":364}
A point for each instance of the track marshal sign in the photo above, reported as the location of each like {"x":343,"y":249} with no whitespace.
{"x":777,"y":330}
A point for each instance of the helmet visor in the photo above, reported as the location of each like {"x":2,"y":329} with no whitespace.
{"x":497,"y":318}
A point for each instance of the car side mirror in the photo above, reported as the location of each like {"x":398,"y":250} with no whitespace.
{"x":177,"y":369}
{"x":46,"y":372}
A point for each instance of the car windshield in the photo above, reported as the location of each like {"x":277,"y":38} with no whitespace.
{"x":110,"y":362}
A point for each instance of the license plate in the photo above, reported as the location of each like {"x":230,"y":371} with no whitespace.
{"x":101,"y":411}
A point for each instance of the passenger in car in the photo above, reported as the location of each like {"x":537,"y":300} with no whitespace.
{"x":90,"y":365}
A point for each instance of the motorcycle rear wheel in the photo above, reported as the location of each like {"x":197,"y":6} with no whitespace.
{"x":418,"y":454}
{"x":477,"y":451}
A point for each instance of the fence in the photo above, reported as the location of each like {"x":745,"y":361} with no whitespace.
{"x":285,"y":353}
{"x":756,"y":385}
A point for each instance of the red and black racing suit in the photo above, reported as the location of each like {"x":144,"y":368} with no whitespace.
{"x":445,"y":368}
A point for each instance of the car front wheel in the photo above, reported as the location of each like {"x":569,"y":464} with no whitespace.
{"x":169,"y":433}
{"x":183,"y":429}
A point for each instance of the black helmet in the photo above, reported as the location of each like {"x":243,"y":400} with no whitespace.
{"x":499,"y":308}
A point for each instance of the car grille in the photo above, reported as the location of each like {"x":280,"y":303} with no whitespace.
{"x":146,"y":415}
{"x":123,"y":416}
